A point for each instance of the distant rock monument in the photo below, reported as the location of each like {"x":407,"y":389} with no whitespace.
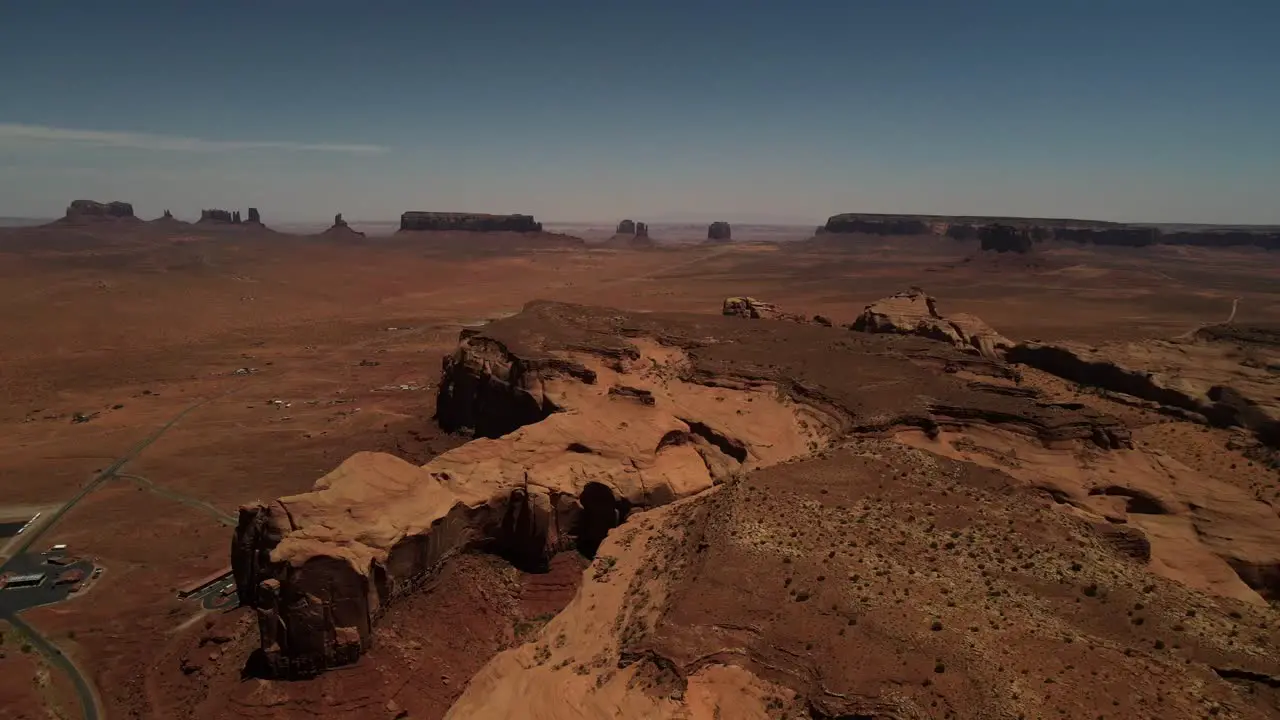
{"x":216,"y":216}
{"x":417,"y":221}
{"x":80,"y":211}
{"x":235,"y":217}
{"x":341,"y":229}
{"x":719,"y":231}
{"x":167,"y":215}
{"x":630,"y":234}
{"x":254,"y":217}
{"x":1005,"y":238}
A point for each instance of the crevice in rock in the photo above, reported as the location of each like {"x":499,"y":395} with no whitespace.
{"x":732,"y":447}
{"x":1239,"y":674}
{"x":1136,"y":501}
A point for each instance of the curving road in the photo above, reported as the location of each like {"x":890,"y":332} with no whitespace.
{"x":90,"y":704}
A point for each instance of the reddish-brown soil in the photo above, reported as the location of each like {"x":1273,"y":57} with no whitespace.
{"x":349,"y":337}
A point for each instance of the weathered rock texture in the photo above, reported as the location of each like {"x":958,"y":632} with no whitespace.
{"x":719,"y":231}
{"x":1227,"y":375}
{"x":912,"y":312}
{"x":888,"y":582}
{"x":1005,"y":238}
{"x":753,"y":309}
{"x":91,"y":211}
{"x":474,"y":222}
{"x":584,"y":415}
{"x":1041,"y":229}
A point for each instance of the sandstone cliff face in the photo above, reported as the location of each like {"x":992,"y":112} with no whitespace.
{"x":583,"y":415}
{"x":719,"y":231}
{"x":1223,"y":374}
{"x":91,"y":211}
{"x":473,"y":222}
{"x":912,"y":312}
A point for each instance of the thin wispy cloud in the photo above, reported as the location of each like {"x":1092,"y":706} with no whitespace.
{"x":172,"y":143}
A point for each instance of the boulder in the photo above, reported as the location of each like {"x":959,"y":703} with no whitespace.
{"x":1005,"y":238}
{"x":92,"y":211}
{"x":719,"y":231}
{"x":913,"y":312}
{"x":753,"y":309}
{"x":470,"y":222}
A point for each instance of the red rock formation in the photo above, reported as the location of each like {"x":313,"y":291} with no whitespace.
{"x":82,"y":211}
{"x":473,"y":222}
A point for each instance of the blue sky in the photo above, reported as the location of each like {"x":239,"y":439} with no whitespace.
{"x":598,"y":109}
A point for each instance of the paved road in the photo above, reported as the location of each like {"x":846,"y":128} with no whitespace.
{"x":90,"y":705}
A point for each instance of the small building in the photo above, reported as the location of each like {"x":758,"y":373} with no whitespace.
{"x":74,"y":575}
{"x":14,"y":582}
{"x":196,"y":586}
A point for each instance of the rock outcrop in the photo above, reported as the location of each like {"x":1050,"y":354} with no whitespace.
{"x":753,"y":309}
{"x":913,"y":312}
{"x":626,"y":227}
{"x":583,"y":415}
{"x":87,"y":211}
{"x":719,"y":231}
{"x":471,"y":222}
{"x":1227,"y":375}
{"x":254,"y":217}
{"x":1005,"y":238}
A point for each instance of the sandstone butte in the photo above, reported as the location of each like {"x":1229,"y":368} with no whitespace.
{"x":474,"y":222}
{"x":882,"y":522}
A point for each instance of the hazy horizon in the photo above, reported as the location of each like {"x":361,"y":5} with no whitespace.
{"x":666,"y":112}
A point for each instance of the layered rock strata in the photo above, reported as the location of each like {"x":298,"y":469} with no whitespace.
{"x":582,"y":416}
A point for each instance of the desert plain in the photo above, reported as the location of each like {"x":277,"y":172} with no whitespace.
{"x":945,"y":562}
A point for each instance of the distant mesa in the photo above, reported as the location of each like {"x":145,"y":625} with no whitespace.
{"x":719,"y":231}
{"x":81,"y":211}
{"x":1005,"y":238}
{"x":996,"y":229}
{"x":219,"y":216}
{"x":254,"y":217}
{"x":631,"y":234}
{"x":417,"y":221}
{"x":341,"y":229}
